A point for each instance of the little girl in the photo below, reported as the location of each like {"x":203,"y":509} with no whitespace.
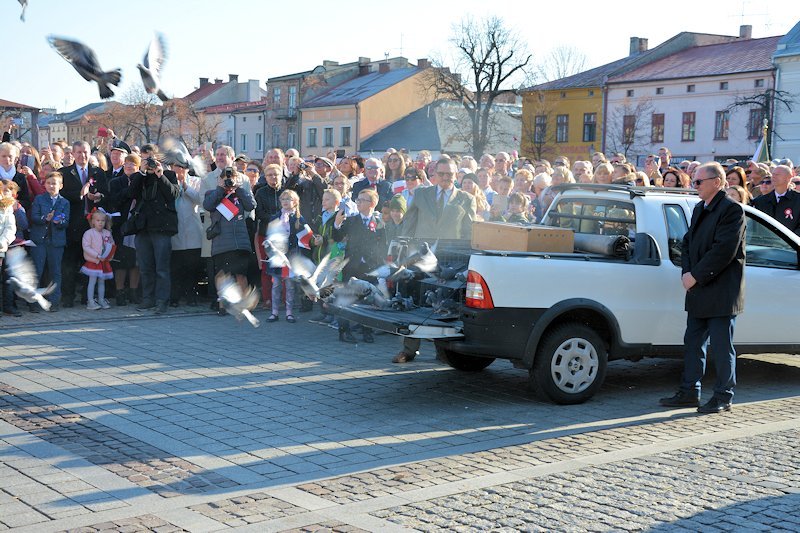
{"x":287,"y":221}
{"x":98,"y":249}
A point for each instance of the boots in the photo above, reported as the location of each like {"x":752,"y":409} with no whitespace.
{"x":122,"y":299}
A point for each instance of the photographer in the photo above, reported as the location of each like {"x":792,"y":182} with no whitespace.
{"x":230,"y":240}
{"x":308,"y":185}
{"x":154,"y":194}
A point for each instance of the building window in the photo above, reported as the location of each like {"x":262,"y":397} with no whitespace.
{"x":687,"y":128}
{"x":723,"y":86}
{"x":563,"y":94}
{"x":291,"y":137}
{"x":562,"y":128}
{"x":628,"y":129}
{"x":244,"y":119}
{"x":659,"y":90}
{"x":243,"y":138}
{"x":722,"y":122}
{"x":292,"y":96}
{"x":540,"y":129}
{"x":756,"y":123}
{"x":345,"y":135}
{"x":657,"y":128}
{"x":276,"y":97}
{"x":259,"y":142}
{"x":589,"y":127}
{"x":276,"y":136}
{"x":690,"y":88}
{"x":629,"y":93}
{"x":327,"y":137}
{"x":312,"y":137}
{"x":591,"y":92}
{"x":759,"y":83}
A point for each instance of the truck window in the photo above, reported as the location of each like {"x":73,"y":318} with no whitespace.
{"x":594,"y":216}
{"x":676,"y":229}
{"x":766,"y":248}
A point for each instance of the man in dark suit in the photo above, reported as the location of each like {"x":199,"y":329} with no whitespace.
{"x":783,"y":204}
{"x":365,"y":250}
{"x":78,"y":191}
{"x":712,"y":257}
{"x":373,"y":179}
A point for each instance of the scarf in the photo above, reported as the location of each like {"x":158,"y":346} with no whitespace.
{"x":7,"y":174}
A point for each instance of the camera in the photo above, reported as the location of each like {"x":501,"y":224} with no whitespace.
{"x":151,"y":162}
{"x":92,"y":187}
{"x":228,"y":181}
{"x":302,"y":166}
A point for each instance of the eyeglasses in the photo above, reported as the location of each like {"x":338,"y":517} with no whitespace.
{"x":362,"y":200}
{"x":443,"y":174}
{"x":697,"y":182}
{"x":251,"y":170}
{"x":394,"y":160}
{"x":766,"y":182}
{"x":371,"y":167}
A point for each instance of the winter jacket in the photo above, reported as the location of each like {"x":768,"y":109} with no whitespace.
{"x":232,"y":233}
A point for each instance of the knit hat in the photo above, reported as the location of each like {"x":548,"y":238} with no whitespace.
{"x":398,"y":202}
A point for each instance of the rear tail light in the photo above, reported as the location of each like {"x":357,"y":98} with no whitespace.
{"x":478,"y":295}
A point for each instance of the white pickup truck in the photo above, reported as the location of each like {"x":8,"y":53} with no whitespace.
{"x":563,"y":316}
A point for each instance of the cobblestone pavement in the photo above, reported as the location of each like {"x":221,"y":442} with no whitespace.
{"x":125,"y":422}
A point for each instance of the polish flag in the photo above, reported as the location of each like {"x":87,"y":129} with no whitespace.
{"x":228,"y":208}
{"x":398,"y":186}
{"x":304,"y":237}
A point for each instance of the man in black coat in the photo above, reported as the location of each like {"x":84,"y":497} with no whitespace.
{"x":365,"y":250}
{"x":373,"y":179}
{"x":712,"y":257}
{"x":783,"y":204}
{"x":81,"y":201}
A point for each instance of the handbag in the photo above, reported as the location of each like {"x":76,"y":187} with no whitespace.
{"x":214,"y":229}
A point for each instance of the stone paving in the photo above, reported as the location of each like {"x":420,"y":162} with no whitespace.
{"x":194,"y":422}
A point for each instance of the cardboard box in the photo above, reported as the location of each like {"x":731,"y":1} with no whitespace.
{"x":516,"y":238}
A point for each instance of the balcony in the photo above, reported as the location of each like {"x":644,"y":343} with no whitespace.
{"x":287,"y":113}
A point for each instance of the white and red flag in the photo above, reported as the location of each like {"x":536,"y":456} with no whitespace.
{"x":304,"y":237}
{"x":227,"y":208}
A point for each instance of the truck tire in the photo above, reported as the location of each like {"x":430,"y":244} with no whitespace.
{"x":570,"y":364}
{"x":460,"y":361}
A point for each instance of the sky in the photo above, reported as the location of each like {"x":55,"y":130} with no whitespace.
{"x":262,"y":39}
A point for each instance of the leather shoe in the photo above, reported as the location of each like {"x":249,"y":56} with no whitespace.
{"x":714,"y":405}
{"x":681,"y":398}
{"x":403,"y":357}
{"x":367,"y":335}
{"x":346,"y":336}
{"x":146,"y":306}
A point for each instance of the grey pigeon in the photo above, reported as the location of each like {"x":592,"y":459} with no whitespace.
{"x":316,"y":282}
{"x":276,"y":245}
{"x":24,"y":4}
{"x":441,"y":302}
{"x":422,"y":260}
{"x":151,"y":65}
{"x":82,"y":59}
{"x":236,"y":302}
{"x":22,"y":278}
{"x":176,"y":153}
{"x":361,"y":290}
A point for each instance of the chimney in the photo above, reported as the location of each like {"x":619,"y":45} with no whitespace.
{"x":217,"y":80}
{"x":363,"y":61}
{"x":638,"y":45}
{"x":203,"y":82}
{"x":233,"y":77}
{"x":328,"y":63}
{"x":423,"y":62}
{"x":383,"y":67}
{"x":745,"y":31}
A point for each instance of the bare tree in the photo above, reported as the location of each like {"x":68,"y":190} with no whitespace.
{"x":488,"y":58}
{"x":148,"y":117}
{"x":194,"y":126}
{"x":538,"y":138}
{"x":561,"y":62}
{"x":629,"y":126}
{"x":768,"y":103}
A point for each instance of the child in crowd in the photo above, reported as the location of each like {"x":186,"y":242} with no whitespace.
{"x":98,"y":248}
{"x":8,"y":231}
{"x":394,"y":223}
{"x":323,"y":244}
{"x":517,"y":208}
{"x":504,"y":185}
{"x":49,"y":221}
{"x":289,"y":222}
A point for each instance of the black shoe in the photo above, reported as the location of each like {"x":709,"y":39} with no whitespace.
{"x":146,"y":306}
{"x":368,"y":336}
{"x":346,"y":336}
{"x":161,"y":307}
{"x":681,"y":398}
{"x":54,"y":308}
{"x":714,"y":405}
{"x":290,"y":319}
{"x":121,"y":300}
{"x":319,"y":319}
{"x":272,"y":318}
{"x":33,"y":308}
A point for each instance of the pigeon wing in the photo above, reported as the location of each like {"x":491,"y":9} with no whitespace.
{"x":328,"y":270}
{"x":228,"y":290}
{"x":302,"y":266}
{"x":156,"y":55}
{"x":79,"y":55}
{"x":21,"y":267}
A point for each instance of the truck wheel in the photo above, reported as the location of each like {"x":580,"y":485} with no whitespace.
{"x":570,"y":364}
{"x":460,"y":361}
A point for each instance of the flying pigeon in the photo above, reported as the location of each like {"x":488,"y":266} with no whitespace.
{"x":276,"y":245}
{"x":22,"y":278}
{"x":235,"y":302}
{"x":423,"y":260}
{"x":24,"y":4}
{"x":82,"y":59}
{"x":151,"y":66}
{"x":316,"y":282}
{"x":175,"y":152}
{"x":358,"y":289}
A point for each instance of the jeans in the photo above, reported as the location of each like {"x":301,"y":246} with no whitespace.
{"x":278,"y":284}
{"x":51,"y":256}
{"x":719,"y":331}
{"x":153,"y":251}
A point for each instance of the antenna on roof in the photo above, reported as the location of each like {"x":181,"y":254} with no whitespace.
{"x":386,"y":55}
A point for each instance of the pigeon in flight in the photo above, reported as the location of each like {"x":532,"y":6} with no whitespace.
{"x":151,"y":66}
{"x":276,"y":245}
{"x":22,"y":278}
{"x":175,"y":152}
{"x":82,"y":59}
{"x":24,"y":4}
{"x":236,"y":302}
{"x":316,"y":282}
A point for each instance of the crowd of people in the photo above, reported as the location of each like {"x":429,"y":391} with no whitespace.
{"x":126,"y":227}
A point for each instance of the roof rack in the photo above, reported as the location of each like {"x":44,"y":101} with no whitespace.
{"x":634,"y":191}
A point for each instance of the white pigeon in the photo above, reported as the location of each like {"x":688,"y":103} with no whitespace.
{"x":24,"y":4}
{"x":151,"y":65}
{"x":361,"y":290}
{"x":82,"y":59}
{"x":316,"y":282}
{"x":22,"y":277}
{"x":237,"y":303}
{"x":175,"y":152}
{"x":276,"y":245}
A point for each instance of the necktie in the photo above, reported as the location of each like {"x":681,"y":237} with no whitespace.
{"x":83,"y":176}
{"x":440,"y":204}
{"x":365,"y":220}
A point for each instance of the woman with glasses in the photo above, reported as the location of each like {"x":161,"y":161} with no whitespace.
{"x":395,"y":167}
{"x":253,"y":172}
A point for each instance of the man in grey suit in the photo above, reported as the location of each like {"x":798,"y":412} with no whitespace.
{"x":438,"y":212}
